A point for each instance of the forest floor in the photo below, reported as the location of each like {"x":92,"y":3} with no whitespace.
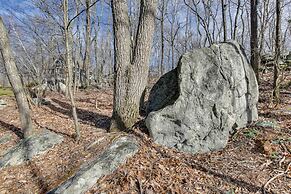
{"x":253,"y":156}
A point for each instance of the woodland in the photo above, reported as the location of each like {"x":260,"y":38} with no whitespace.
{"x":145,"y":96}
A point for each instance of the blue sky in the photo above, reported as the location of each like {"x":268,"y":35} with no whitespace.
{"x":13,"y":5}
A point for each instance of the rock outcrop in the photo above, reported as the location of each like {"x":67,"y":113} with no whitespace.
{"x":104,"y":164}
{"x":28,"y":148}
{"x":196,"y":106}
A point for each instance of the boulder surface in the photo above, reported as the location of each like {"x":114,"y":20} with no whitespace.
{"x":196,"y":106}
{"x":106,"y":163}
{"x":28,"y":148}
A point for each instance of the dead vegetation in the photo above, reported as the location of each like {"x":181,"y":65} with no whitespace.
{"x":256,"y":159}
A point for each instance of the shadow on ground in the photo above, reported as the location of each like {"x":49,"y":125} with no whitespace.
{"x":86,"y":116}
{"x":12,"y":128}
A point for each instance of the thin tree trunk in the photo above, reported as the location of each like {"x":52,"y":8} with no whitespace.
{"x":15,"y":81}
{"x":78,"y":52}
{"x":230,"y":18}
{"x":161,"y":68}
{"x":69,"y":63}
{"x":255,"y":59}
{"x":236,"y":20}
{"x":187,"y":30}
{"x":88,"y":44}
{"x":243,"y":28}
{"x":223,"y":11}
{"x":264,"y":24}
{"x":276,"y":83}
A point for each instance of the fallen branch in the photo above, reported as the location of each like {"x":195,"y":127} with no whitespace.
{"x":276,"y":176}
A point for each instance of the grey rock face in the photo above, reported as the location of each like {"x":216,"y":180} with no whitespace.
{"x":217,"y":92}
{"x":164,"y":93}
{"x":3,"y":104}
{"x":5,"y":138}
{"x":104,"y":164}
{"x":28,"y":148}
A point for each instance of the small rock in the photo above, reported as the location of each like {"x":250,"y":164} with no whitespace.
{"x":3,"y":104}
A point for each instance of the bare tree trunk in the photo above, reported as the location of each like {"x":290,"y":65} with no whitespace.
{"x":255,"y":58}
{"x":15,"y":81}
{"x":78,"y":52}
{"x":131,"y":78}
{"x":187,"y":30}
{"x":122,"y":53}
{"x":223,"y":11}
{"x":236,"y":20}
{"x":99,"y":65}
{"x":276,"y":83}
{"x":230,"y":17}
{"x":264,"y":23}
{"x":243,"y":27}
{"x":161,"y":68}
{"x":69,"y":64}
{"x":88,"y":44}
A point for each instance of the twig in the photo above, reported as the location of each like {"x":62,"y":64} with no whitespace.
{"x":281,"y":161}
{"x":286,"y":149}
{"x":276,"y":176}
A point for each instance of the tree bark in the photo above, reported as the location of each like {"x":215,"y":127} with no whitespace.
{"x":223,"y":11}
{"x":276,"y":83}
{"x":255,"y":58}
{"x":161,"y":67}
{"x":69,"y":63}
{"x":131,"y":77}
{"x":15,"y":81}
{"x":236,"y":20}
{"x":88,"y":44}
{"x":122,"y":53}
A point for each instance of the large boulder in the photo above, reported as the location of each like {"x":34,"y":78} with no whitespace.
{"x":196,"y":106}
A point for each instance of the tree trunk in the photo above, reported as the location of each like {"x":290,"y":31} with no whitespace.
{"x":131,"y":78}
{"x":15,"y":81}
{"x":223,"y":11}
{"x":88,"y":44}
{"x":122,"y":53}
{"x":236,"y":20}
{"x":276,"y":83}
{"x":69,"y":63}
{"x":161,"y":68}
{"x":255,"y":58}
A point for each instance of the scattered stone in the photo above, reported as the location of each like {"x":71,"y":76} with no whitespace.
{"x":104,"y":164}
{"x":41,"y":101}
{"x":217,"y":92}
{"x":62,"y":88}
{"x":28,"y":148}
{"x":3,"y":104}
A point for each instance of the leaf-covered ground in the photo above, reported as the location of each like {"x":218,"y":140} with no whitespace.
{"x":253,"y":156}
